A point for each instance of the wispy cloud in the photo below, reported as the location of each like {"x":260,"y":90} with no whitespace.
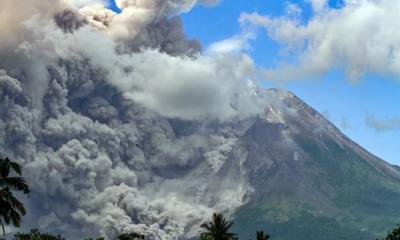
{"x":236,"y":43}
{"x":344,"y":123}
{"x":383,"y":125}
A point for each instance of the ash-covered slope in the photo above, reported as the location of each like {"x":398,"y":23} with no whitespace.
{"x":309,"y":181}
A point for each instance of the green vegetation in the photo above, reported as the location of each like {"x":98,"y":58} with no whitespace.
{"x":358,"y":202}
{"x":11,"y":209}
{"x":321,"y":227}
{"x":36,"y":235}
{"x":262,"y":236}
{"x":394,"y":234}
{"x":217,"y":228}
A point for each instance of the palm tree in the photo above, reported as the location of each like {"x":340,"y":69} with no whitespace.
{"x":262,"y":236}
{"x":217,"y":228}
{"x":394,"y":234}
{"x":11,"y":209}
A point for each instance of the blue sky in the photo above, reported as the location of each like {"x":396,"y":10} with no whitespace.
{"x":347,"y":104}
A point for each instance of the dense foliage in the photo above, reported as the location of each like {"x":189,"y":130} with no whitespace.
{"x":394,"y":234}
{"x":35,"y":234}
{"x":11,"y":209}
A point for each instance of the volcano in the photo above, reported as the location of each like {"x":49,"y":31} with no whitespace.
{"x":99,"y":163}
{"x":123,"y":124}
{"x":309,"y":181}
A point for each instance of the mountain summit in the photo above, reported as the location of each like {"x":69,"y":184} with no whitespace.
{"x":308,"y":180}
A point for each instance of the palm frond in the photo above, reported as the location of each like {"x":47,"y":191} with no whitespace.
{"x":16,"y":167}
{"x":15,"y":218}
{"x":5,"y":167}
{"x":217,"y":228}
{"x":15,"y":183}
{"x":11,"y":209}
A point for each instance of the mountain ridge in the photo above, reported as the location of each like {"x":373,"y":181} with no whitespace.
{"x":308,"y":167}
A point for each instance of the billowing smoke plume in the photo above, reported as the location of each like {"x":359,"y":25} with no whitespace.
{"x":115,"y":116}
{"x":146,"y":24}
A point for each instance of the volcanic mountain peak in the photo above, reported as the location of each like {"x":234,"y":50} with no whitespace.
{"x":305,"y":174}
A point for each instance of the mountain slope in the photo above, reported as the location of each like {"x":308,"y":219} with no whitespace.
{"x":99,"y":163}
{"x":308,"y":179}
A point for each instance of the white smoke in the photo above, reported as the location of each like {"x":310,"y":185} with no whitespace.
{"x":111,"y":115}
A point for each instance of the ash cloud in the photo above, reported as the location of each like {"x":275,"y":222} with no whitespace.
{"x":110,"y":116}
{"x":69,"y":20}
{"x":145,"y":24}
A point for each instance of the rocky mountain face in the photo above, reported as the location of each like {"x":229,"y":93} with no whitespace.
{"x":308,"y":180}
